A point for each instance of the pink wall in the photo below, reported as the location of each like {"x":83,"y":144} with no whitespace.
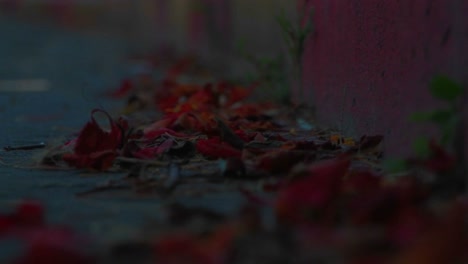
{"x":369,"y":62}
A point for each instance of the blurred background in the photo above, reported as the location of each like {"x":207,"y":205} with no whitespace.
{"x":60,"y":43}
{"x":209,"y":28}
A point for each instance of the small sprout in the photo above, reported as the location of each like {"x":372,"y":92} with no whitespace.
{"x":295,"y":35}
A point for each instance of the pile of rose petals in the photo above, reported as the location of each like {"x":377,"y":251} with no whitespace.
{"x":330,"y":200}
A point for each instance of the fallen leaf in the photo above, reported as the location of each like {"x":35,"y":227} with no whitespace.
{"x":94,"y":147}
{"x":154,"y":151}
{"x":215,"y":148}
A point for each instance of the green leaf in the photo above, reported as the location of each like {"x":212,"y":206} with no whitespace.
{"x":440,"y":117}
{"x":444,"y":88}
{"x":421,"y":117}
{"x":447,"y":137}
{"x":421,"y":147}
{"x":395,"y":165}
{"x":448,"y":131}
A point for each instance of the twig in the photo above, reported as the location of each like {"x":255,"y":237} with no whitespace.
{"x":25,"y":147}
{"x":102,"y":189}
{"x":141,"y":161}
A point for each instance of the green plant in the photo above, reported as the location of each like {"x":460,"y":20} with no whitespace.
{"x":273,"y":73}
{"x":270,"y":72}
{"x":447,"y":118}
{"x":448,"y":121}
{"x":295,"y":36}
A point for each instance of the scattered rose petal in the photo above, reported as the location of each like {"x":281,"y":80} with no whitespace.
{"x":214,"y":148}
{"x":94,"y":147}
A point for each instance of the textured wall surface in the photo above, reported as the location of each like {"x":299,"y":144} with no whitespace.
{"x":369,"y":62}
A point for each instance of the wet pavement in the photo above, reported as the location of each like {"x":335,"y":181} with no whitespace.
{"x":62,"y":76}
